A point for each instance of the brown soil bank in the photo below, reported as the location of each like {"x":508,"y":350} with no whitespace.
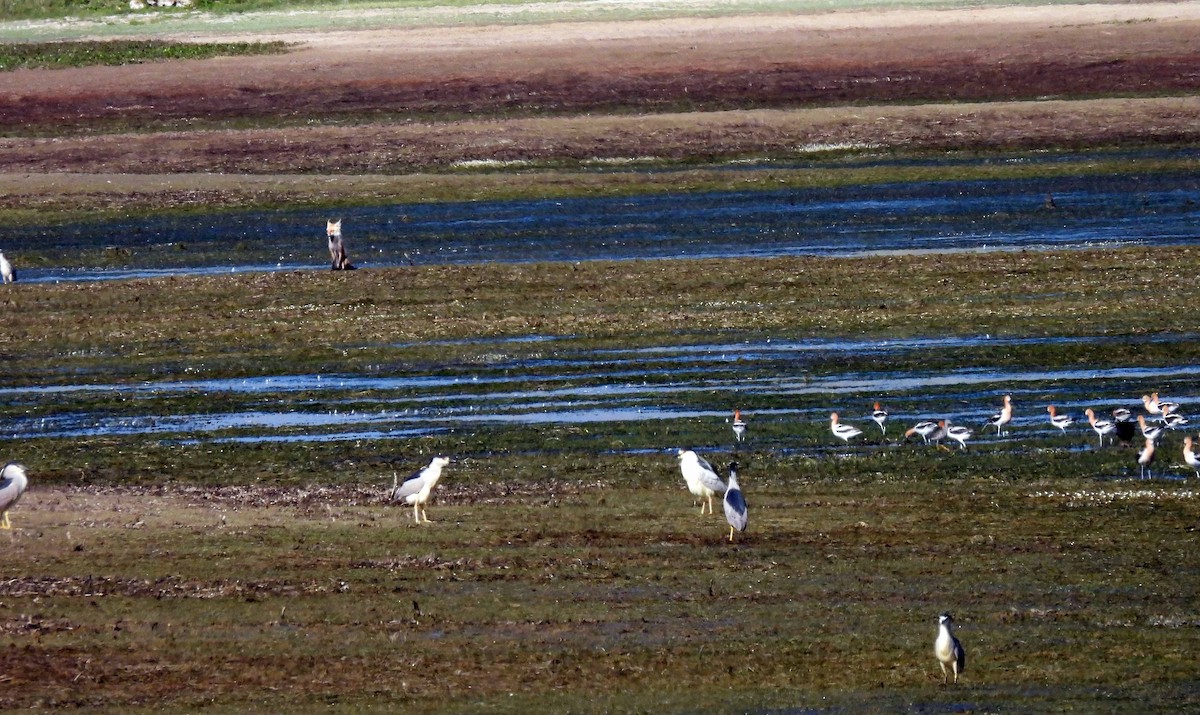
{"x":420,"y":98}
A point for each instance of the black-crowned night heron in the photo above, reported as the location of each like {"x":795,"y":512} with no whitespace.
{"x":739,"y":425}
{"x":337,"y":247}
{"x":415,"y":490}
{"x":1103,"y":428}
{"x":13,"y":482}
{"x":701,"y":478}
{"x":1060,"y":421}
{"x":842,"y":431}
{"x":1189,"y":455}
{"x":6,"y":270}
{"x":735,"y":503}
{"x":1146,"y":458}
{"x":949,"y":651}
{"x":1003,"y":417}
{"x":880,"y":416}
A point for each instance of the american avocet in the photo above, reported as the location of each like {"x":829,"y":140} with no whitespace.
{"x":416,"y":489}
{"x":735,"y":503}
{"x":842,"y":431}
{"x":1189,"y":455}
{"x":1003,"y":417}
{"x":880,"y":416}
{"x":1146,"y":457}
{"x":1060,"y":421}
{"x":13,"y":482}
{"x":702,"y":480}
{"x":958,"y":434}
{"x":1152,"y":432}
{"x":924,"y":428}
{"x":1163,"y":406}
{"x":949,"y":651}
{"x":1174,"y":420}
{"x":1103,"y":427}
{"x":739,"y":425}
{"x":6,"y":270}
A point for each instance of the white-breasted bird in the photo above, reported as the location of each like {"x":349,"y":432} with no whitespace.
{"x":735,"y":503}
{"x":924,"y":428}
{"x":416,"y":489}
{"x":949,"y":651}
{"x":6,"y":270}
{"x":1103,"y":427}
{"x":1174,"y":420}
{"x":1060,"y":421}
{"x":13,"y":482}
{"x":1146,"y":458}
{"x":739,"y":425}
{"x":1162,"y":406}
{"x":1189,"y":455}
{"x":880,"y":416}
{"x":958,"y":433}
{"x":1003,"y":417}
{"x":842,"y":431}
{"x":1149,"y":431}
{"x":701,"y":478}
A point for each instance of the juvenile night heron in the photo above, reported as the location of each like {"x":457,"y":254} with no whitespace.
{"x":735,"y":503}
{"x":701,"y":478}
{"x":949,"y":651}
{"x":1003,"y":417}
{"x":415,"y":490}
{"x":6,"y":270}
{"x":739,"y":425}
{"x":337,"y":247}
{"x":13,"y":482}
{"x":843,"y":432}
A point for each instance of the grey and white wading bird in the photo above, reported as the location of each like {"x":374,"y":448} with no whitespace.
{"x":13,"y":482}
{"x":735,"y":503}
{"x":337,"y":247}
{"x":415,"y":490}
{"x":702,"y":480}
{"x":950,"y":653}
{"x":1146,"y":458}
{"x":6,"y":270}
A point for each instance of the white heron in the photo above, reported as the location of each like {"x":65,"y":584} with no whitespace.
{"x":843,"y":432}
{"x":739,"y":425}
{"x":6,"y":270}
{"x":13,"y":482}
{"x":1003,"y":417}
{"x":949,"y":650}
{"x":735,"y":503}
{"x":701,"y":478}
{"x":416,"y":489}
{"x":337,"y":247}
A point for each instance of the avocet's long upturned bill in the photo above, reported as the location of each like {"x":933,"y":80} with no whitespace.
{"x":1060,"y":421}
{"x":880,"y":416}
{"x":1003,"y":417}
{"x":735,"y":503}
{"x":13,"y":481}
{"x":739,"y":425}
{"x":949,"y":651}
{"x":1103,"y":427}
{"x":701,"y":478}
{"x":416,"y":489}
{"x":841,"y":431}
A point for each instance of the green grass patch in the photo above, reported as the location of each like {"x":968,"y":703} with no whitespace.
{"x":57,"y":55}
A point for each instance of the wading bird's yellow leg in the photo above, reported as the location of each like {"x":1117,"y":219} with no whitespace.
{"x":731,"y":534}
{"x":5,"y":524}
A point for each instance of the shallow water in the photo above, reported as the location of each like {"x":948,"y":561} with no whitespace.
{"x":939,"y":216}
